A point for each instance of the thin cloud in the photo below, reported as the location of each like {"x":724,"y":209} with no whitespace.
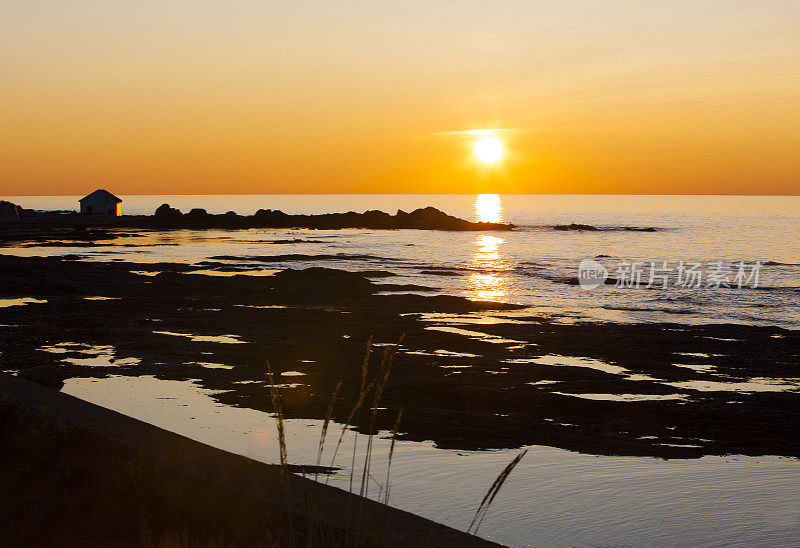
{"x":480,"y":132}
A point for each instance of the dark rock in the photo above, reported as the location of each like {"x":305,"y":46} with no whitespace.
{"x":320,"y":279}
{"x":272,"y":218}
{"x":440,"y":273}
{"x":298,"y":257}
{"x":9,"y":211}
{"x":576,"y":226}
{"x":428,"y":218}
{"x":403,"y":287}
{"x":377,"y":273}
{"x":45,"y":375}
{"x":164,"y":211}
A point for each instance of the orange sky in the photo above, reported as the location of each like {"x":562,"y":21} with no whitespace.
{"x":257,"y":97}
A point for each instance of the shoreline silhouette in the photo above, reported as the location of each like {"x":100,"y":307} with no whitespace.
{"x":166,"y":217}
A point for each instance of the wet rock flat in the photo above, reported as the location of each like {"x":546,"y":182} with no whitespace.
{"x":666,"y":390}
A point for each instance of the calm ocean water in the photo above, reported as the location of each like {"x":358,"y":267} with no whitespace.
{"x":555,"y":497}
{"x":529,"y":265}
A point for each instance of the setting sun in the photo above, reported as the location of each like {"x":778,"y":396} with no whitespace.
{"x":488,"y":149}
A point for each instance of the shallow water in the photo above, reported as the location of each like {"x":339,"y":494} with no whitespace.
{"x":553,"y":498}
{"x":19,"y":302}
{"x":89,"y":355}
{"x":222,"y":339}
{"x":625,"y":397}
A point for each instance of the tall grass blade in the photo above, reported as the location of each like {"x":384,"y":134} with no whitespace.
{"x":483,"y":508}
{"x":364,"y":369}
{"x":383,"y":377}
{"x":391,"y":454}
{"x":349,"y":419}
{"x":276,"y":405}
{"x":278,"y":409}
{"x":325,"y":423}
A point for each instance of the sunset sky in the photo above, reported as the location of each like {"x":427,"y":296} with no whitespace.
{"x":260,"y":97}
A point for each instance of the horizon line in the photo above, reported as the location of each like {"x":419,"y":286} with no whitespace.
{"x":413,"y":194}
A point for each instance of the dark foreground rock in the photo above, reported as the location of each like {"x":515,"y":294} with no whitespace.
{"x":45,"y":375}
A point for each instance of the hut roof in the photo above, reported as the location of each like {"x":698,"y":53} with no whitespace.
{"x":102,"y":194}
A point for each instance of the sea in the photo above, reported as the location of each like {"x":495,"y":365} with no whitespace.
{"x":749,"y":244}
{"x":676,"y":259}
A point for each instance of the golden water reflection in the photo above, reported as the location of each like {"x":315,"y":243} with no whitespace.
{"x":488,"y":208}
{"x":489,"y":284}
{"x":487,"y":254}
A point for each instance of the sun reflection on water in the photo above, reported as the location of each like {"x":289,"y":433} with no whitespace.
{"x":489,"y":284}
{"x":487,"y":254}
{"x":488,"y":208}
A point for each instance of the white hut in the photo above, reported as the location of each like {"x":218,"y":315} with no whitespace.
{"x":101,"y":202}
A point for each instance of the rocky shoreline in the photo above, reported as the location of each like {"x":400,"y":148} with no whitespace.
{"x":165,"y":217}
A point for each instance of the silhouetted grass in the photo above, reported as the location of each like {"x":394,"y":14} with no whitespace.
{"x":483,"y":508}
{"x":325,"y":423}
{"x":365,"y":534}
{"x":276,"y":405}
